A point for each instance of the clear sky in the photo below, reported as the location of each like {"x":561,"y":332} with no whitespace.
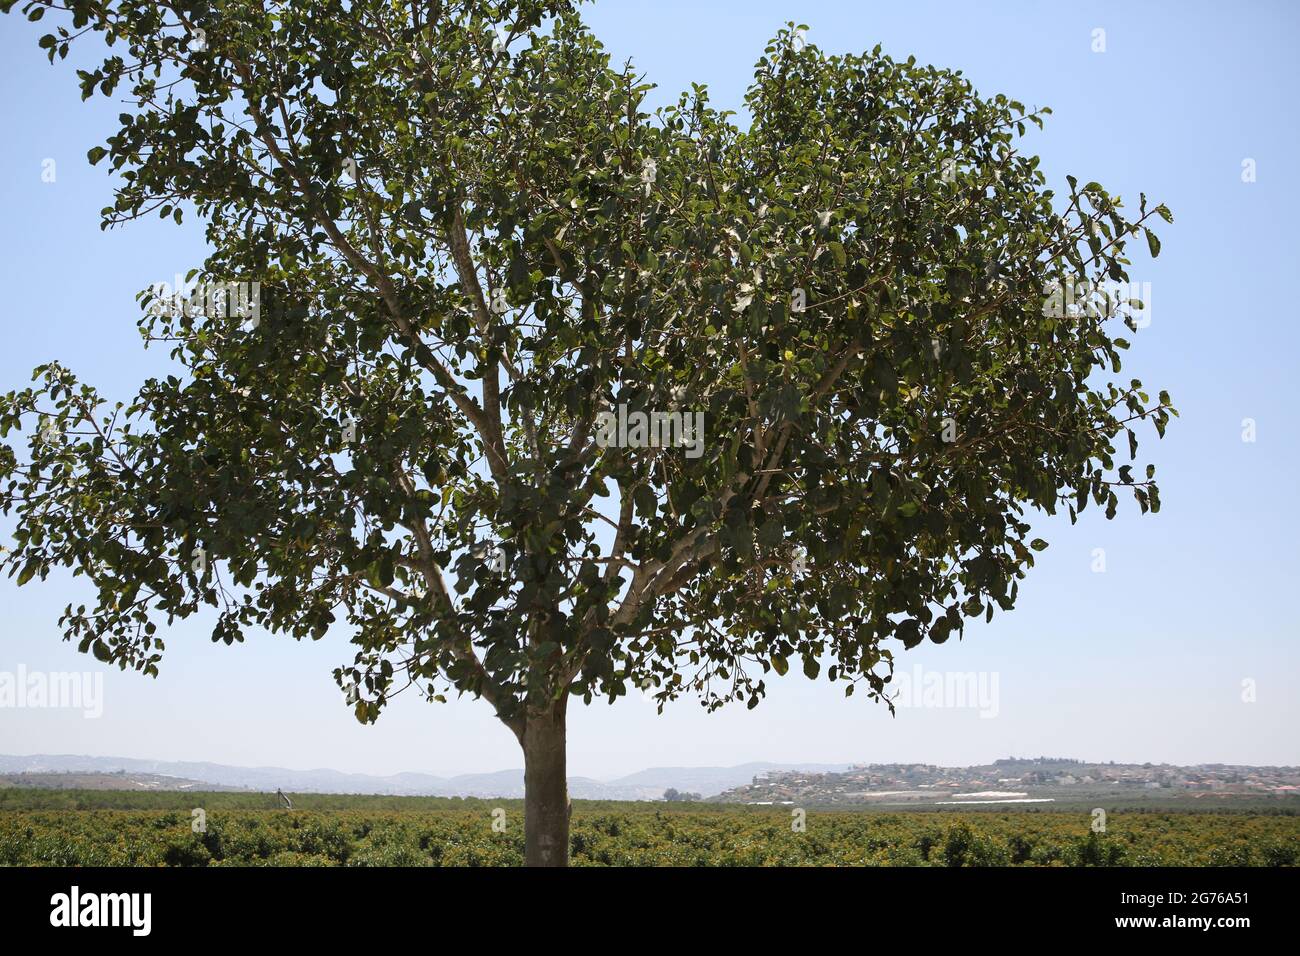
{"x":1145,"y":661}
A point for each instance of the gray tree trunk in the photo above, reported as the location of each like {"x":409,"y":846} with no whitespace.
{"x":546,"y":789}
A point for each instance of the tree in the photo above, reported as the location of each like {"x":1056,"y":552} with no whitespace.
{"x":544,"y":396}
{"x":673,"y":795}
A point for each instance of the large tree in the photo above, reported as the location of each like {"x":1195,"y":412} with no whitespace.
{"x":472,"y":243}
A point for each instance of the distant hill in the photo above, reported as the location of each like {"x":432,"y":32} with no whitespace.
{"x":644,"y":785}
{"x":708,"y":781}
{"x":1040,"y":780}
{"x":134,"y":782}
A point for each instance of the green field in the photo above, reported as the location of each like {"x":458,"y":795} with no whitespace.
{"x":104,"y":828}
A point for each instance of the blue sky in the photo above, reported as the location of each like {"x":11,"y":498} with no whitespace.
{"x":1142,"y":662}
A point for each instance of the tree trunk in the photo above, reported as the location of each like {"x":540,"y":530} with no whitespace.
{"x":546,"y":789}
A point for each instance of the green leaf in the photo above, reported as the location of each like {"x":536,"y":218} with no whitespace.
{"x":381,"y":572}
{"x":940,"y":630}
{"x":909,"y":632}
{"x":28,"y":570}
{"x":1153,"y":243}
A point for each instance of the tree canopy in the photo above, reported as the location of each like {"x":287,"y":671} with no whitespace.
{"x":471,"y":239}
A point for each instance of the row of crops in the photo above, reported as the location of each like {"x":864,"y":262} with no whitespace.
{"x":640,"y":835}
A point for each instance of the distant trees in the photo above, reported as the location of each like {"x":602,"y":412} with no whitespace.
{"x":674,"y":796}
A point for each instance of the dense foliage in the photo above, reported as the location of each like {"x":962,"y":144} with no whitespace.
{"x":644,"y":836}
{"x":474,"y":238}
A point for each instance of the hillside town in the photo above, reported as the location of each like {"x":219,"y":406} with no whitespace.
{"x":1013,"y":780}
